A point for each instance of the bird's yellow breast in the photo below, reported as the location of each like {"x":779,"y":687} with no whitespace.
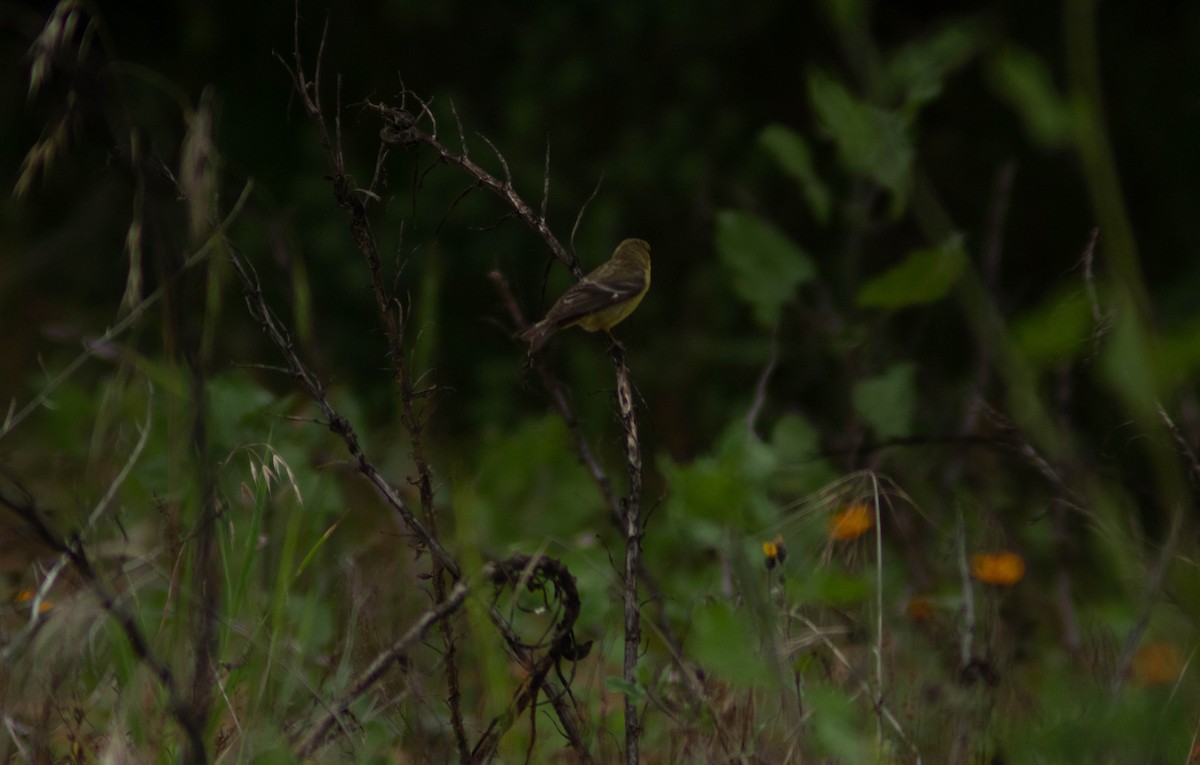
{"x":613,"y":315}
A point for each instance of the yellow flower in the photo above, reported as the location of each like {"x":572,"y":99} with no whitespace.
{"x":774,"y":553}
{"x":851,"y":523}
{"x":1001,"y":568}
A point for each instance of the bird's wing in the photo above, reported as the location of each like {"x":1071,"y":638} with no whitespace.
{"x":590,"y":296}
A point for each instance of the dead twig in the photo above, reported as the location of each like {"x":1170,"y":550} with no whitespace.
{"x":558,"y":398}
{"x":632,"y":522}
{"x":396,"y":653}
{"x":340,"y":426}
{"x":413,"y":404}
{"x":402,"y":127}
{"x":538,"y":573}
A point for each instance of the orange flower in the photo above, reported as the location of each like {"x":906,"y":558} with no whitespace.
{"x":851,"y":523}
{"x":24,"y":596}
{"x":919,"y":608}
{"x":1157,"y":663}
{"x":1001,"y":568}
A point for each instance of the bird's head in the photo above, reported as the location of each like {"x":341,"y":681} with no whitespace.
{"x":633,"y":251}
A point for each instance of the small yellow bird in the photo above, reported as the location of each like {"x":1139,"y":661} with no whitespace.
{"x":601,"y":299}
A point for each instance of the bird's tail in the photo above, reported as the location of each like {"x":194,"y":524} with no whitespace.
{"x":537,"y":335}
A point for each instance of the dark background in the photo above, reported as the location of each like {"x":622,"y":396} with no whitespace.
{"x":662,"y":101}
{"x":657,"y":107}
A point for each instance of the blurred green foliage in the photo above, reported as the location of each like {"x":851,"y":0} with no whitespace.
{"x":869,"y":291}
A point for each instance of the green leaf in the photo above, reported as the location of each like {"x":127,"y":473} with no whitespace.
{"x":839,"y":728}
{"x":790,"y":151}
{"x":723,"y":487}
{"x":239,"y":410}
{"x":872,"y":142}
{"x":794,"y":438}
{"x":1057,"y":330}
{"x":710,"y":488}
{"x":526,"y":478}
{"x":848,"y":17}
{"x":919,"y":69}
{"x":766,"y":266}
{"x":615,"y":684}
{"x":923,"y":277}
{"x":726,"y":488}
{"x":757,"y":460}
{"x":723,"y":641}
{"x":887,"y":401}
{"x":797,"y":444}
{"x":1127,"y":363}
{"x":1019,"y":77}
{"x":830,"y":587}
{"x":1177,"y":354}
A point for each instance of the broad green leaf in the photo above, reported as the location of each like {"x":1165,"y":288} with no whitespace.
{"x":790,"y":151}
{"x":766,"y":266}
{"x":872,"y":142}
{"x":724,"y":489}
{"x":830,"y":587}
{"x":923,"y":277}
{"x":1056,"y":330}
{"x":1020,"y":77}
{"x":710,"y":488}
{"x":240,"y":410}
{"x":527,"y":480}
{"x":797,"y":445}
{"x":723,"y":641}
{"x":887,"y":401}
{"x":758,"y":460}
{"x":919,"y":69}
{"x":794,"y":438}
{"x":839,"y":728}
{"x":1127,"y":363}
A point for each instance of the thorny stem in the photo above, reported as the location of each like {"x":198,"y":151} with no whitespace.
{"x":530,"y":574}
{"x":341,"y":427}
{"x":633,"y":546}
{"x":391,"y":314}
{"x":274,"y":329}
{"x":395,"y":653}
{"x":402,"y":127}
{"x":588,"y":459}
{"x":627,"y":511}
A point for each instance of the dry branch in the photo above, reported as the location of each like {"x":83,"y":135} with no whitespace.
{"x":394,"y":654}
{"x":340,"y":426}
{"x":404,"y":128}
